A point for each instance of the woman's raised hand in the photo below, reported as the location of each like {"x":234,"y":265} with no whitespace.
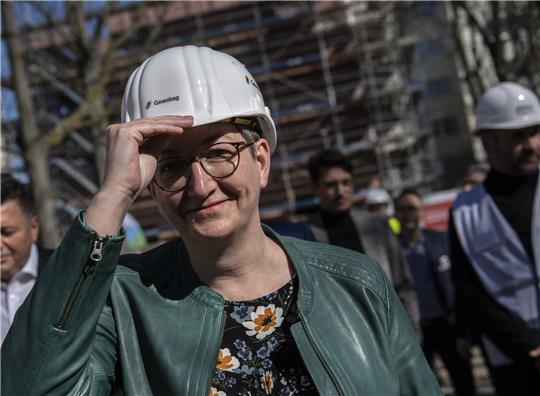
{"x":132,"y":148}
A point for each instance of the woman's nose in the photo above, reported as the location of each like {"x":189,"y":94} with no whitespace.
{"x":200,"y":183}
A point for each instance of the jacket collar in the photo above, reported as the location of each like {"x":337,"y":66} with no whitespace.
{"x":168,"y":269}
{"x":296,"y":254}
{"x":199,"y":291}
{"x":44,"y":255}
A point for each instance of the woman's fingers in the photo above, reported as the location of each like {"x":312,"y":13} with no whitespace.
{"x":145,"y":128}
{"x":129,"y":166}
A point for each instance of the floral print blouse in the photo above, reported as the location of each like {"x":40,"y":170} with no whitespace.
{"x":258,"y":355}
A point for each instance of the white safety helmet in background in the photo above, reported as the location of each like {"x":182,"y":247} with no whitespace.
{"x":375,"y":196}
{"x":507,"y":106}
{"x":207,"y":84}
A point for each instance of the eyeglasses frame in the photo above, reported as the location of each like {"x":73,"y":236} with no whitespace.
{"x":239,"y":146}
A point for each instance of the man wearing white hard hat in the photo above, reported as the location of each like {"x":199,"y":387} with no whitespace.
{"x":228,"y":308}
{"x":378,"y":200}
{"x":495,"y":240}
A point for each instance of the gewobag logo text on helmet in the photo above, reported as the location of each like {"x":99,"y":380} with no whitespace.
{"x":250,"y":81}
{"x":161,"y":101}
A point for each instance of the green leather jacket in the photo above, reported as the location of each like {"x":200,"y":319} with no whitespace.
{"x":151,"y":325}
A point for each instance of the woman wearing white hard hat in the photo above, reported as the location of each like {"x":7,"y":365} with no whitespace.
{"x":230,"y":308}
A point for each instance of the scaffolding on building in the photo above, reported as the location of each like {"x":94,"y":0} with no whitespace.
{"x":404,"y":151}
{"x":331,"y":72}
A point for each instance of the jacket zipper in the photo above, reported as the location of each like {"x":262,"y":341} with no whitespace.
{"x":323,"y":362}
{"x":216,"y":353}
{"x":88,"y":269}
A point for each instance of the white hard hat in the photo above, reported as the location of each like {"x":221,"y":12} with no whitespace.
{"x":376,"y":196}
{"x":207,"y":84}
{"x":507,"y":106}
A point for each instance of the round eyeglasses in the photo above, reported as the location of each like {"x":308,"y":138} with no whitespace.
{"x":218,"y":160}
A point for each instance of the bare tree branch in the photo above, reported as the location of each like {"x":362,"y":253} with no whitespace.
{"x":496,"y":45}
{"x":102,"y":20}
{"x":485,"y":34}
{"x":75,"y":14}
{"x":509,"y":26}
{"x":471,"y":71}
{"x":45,"y":10}
{"x":35,"y":154}
{"x":97,"y":69}
{"x":156,"y":29}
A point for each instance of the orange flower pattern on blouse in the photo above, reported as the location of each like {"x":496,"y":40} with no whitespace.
{"x":226,"y":361}
{"x":267,"y":382}
{"x":258,"y":355}
{"x":215,"y":392}
{"x":264,"y":321}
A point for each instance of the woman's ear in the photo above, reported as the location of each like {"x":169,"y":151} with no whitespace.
{"x":263,"y":160}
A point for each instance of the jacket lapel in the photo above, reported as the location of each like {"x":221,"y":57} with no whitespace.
{"x":43,"y":256}
{"x":316,"y":224}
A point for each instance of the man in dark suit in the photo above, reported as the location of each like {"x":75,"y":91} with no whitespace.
{"x":337,"y":222}
{"x":20,"y":258}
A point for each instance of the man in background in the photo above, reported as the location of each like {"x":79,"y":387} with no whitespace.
{"x":494,"y":240}
{"x":427,"y":254}
{"x":20,"y":258}
{"x":377,"y":200}
{"x":476,"y":174}
{"x":338,"y":223}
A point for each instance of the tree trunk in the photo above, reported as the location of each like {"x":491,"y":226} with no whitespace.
{"x":36,"y":154}
{"x":92,"y":73}
{"x":100,"y":141}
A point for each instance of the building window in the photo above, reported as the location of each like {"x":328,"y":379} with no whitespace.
{"x":439,"y":87}
{"x":426,"y":8}
{"x":428,"y":49}
{"x":445,"y":126}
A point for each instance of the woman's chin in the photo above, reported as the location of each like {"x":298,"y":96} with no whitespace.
{"x":212,"y":228}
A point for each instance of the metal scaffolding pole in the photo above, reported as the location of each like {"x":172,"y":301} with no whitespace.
{"x":327,"y":74}
{"x":274,"y":105}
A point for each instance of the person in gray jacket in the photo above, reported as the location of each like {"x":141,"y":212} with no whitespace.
{"x":337,"y":222}
{"x":228,"y":308}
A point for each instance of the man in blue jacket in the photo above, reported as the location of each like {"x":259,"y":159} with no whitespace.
{"x":427,"y":255}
